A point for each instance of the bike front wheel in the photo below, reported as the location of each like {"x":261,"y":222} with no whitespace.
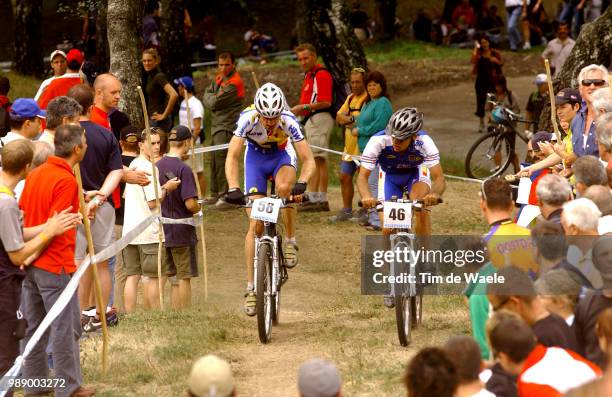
{"x":489,"y":156}
{"x":264,"y":302}
{"x":416,"y":303}
{"x":403,"y":318}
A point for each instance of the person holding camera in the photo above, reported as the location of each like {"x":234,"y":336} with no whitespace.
{"x":487,"y":67}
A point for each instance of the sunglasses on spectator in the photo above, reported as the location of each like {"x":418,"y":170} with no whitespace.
{"x":595,"y":82}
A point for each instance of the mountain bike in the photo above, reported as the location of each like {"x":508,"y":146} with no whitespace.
{"x":270,"y":272}
{"x":493,"y":152}
{"x":408,"y":297}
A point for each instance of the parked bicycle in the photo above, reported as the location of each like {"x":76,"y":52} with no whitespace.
{"x":493,"y":152}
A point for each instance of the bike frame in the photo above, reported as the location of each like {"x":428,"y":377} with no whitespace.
{"x":403,"y":238}
{"x":269,"y":237}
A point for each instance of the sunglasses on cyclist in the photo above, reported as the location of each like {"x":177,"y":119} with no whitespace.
{"x":595,"y":82}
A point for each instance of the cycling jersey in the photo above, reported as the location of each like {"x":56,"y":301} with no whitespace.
{"x":249,"y":127}
{"x":422,"y":151}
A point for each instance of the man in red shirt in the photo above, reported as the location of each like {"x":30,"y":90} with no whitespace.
{"x":106,"y":98}
{"x":542,"y":371}
{"x":61,"y":84}
{"x":316,"y":99}
{"x":52,"y":188}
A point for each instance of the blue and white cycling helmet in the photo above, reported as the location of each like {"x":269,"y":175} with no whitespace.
{"x":498,"y":115}
{"x":269,"y":100}
{"x":405,"y":123}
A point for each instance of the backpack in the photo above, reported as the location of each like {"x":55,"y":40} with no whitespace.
{"x":340,"y":91}
{"x":5,"y":126}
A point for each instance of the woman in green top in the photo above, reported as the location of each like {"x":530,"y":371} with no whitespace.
{"x":377,"y":111}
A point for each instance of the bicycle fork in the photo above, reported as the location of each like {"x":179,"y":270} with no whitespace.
{"x":272,"y":241}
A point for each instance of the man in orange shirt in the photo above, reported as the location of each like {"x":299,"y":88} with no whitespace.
{"x":49,"y":189}
{"x":61,"y":84}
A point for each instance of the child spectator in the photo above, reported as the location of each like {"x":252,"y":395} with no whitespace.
{"x":431,"y":373}
{"x":464,"y":353}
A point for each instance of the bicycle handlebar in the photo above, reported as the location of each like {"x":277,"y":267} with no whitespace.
{"x":417,"y":201}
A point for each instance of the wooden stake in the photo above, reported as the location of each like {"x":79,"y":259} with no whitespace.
{"x":199,"y":191}
{"x":157,"y":202}
{"x":551,"y":93}
{"x":94,"y":268}
{"x":254,"y":76}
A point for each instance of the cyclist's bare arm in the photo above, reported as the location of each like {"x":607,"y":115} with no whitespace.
{"x":232,"y":169}
{"x":438,"y":185}
{"x":308,"y":163}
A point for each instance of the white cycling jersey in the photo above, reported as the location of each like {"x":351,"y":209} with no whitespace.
{"x":422,"y":151}
{"x":249,"y":127}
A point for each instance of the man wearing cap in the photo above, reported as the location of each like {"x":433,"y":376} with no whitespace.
{"x":25,"y":120}
{"x":319,"y":378}
{"x":180,"y":240}
{"x":211,"y":376}
{"x":60,"y":85}
{"x":59,"y":65}
{"x":186,"y":89}
{"x":558,"y":49}
{"x":536,"y":101}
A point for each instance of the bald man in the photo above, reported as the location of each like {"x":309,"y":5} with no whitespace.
{"x":107,"y":93}
{"x":602,"y":197}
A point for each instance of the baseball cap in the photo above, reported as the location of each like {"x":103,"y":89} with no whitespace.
{"x":211,"y":376}
{"x":540,"y":136}
{"x":56,"y":52}
{"x":185,"y":81}
{"x":180,"y":133}
{"x":130,"y":134}
{"x":318,"y":378}
{"x":540,"y":79}
{"x":26,"y":108}
{"x":568,"y":95}
{"x":75,"y":55}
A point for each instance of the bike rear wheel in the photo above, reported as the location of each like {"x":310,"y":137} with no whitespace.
{"x":264,"y":303}
{"x":416,"y":303}
{"x":489,"y":156}
{"x":403,"y":318}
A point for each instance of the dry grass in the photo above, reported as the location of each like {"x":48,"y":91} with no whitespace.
{"x":323,"y":314}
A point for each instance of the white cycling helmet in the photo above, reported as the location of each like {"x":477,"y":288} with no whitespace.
{"x":405,"y":123}
{"x":269,"y":100}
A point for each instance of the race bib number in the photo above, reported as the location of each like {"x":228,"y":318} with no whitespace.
{"x":397,"y":215}
{"x":266,"y":209}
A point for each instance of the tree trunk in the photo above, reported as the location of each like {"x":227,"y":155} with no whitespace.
{"x":124,"y":21}
{"x":102,"y":51}
{"x":593,"y":46}
{"x":304,"y":26}
{"x":175,"y":57}
{"x":333,"y":36}
{"x":6,"y":8}
{"x":386,"y":10}
{"x":28,"y":34}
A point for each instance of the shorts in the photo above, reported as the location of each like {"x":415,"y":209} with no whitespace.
{"x":141,"y":260}
{"x":396,"y":184}
{"x":348,"y":167}
{"x":318,"y":128}
{"x":182,"y":262}
{"x":199,"y":160}
{"x":102,"y":232}
{"x":259,"y":167}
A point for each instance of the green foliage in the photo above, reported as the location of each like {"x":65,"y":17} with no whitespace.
{"x":21,"y":86}
{"x":402,"y":50}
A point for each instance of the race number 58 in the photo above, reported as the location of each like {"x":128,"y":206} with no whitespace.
{"x":266,"y":209}
{"x":397,"y":215}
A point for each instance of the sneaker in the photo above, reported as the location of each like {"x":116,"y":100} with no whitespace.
{"x":93,"y":325}
{"x":223,"y":205}
{"x":111,"y":317}
{"x":291,"y":258}
{"x":89,"y":312}
{"x":249,"y":303}
{"x":323,"y":206}
{"x":308,"y":206}
{"x":210,"y":201}
{"x":84,"y":391}
{"x":389,"y":301}
{"x":527,"y":46}
{"x":342,"y":216}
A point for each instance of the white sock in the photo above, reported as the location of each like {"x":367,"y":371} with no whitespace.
{"x":250,"y":286}
{"x":323,"y":196}
{"x":314,"y":197}
{"x":291,"y":240}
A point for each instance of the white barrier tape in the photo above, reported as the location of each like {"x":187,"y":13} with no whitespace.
{"x":356,"y":158}
{"x":195,"y":221}
{"x":73,"y":284}
{"x":209,"y":149}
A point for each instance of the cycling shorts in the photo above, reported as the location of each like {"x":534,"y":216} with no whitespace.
{"x":259,"y":167}
{"x":390,"y":185}
{"x":348,"y":167}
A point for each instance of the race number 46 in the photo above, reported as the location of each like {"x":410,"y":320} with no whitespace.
{"x":397,"y":215}
{"x":266,"y":209}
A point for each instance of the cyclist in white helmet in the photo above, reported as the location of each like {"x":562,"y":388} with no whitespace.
{"x":409,"y":161}
{"x":268,"y":127}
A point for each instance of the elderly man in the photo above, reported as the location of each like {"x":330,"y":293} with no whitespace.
{"x":588,"y":171}
{"x":602,"y":102}
{"x":584,"y":141}
{"x":61,"y":110}
{"x":580,"y":219}
{"x":552,"y":192}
